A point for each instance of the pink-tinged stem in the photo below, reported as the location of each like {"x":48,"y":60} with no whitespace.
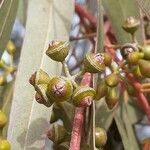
{"x":79,"y":119}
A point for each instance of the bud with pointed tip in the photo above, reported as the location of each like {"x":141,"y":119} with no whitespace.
{"x":94,"y":63}
{"x":58,"y":50}
{"x":112,"y":97}
{"x":102,"y":90}
{"x":57,"y":133}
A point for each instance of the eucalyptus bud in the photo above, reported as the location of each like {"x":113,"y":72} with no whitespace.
{"x":133,"y":58}
{"x":112,"y":80}
{"x":4,"y":145}
{"x":10,"y":47}
{"x":130,"y":25}
{"x":57,"y":133}
{"x":136,"y":72}
{"x":3,"y":119}
{"x":102,"y":90}
{"x":107,"y":59}
{"x":112,"y":97}
{"x":94,"y":63}
{"x":41,"y":96}
{"x":83,"y":95}
{"x":144,"y":66}
{"x":100,"y":137}
{"x":63,"y":146}
{"x":59,"y":89}
{"x":39,"y":77}
{"x":146,"y":51}
{"x":58,"y":50}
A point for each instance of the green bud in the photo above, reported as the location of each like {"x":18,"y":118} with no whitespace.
{"x":107,"y":59}
{"x":146,"y":51}
{"x":4,"y":145}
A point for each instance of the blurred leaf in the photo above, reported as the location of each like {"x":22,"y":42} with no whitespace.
{"x":65,"y":111}
{"x":46,"y":21}
{"x":118,"y":11}
{"x":8,"y":10}
{"x":145,"y":6}
{"x":22,"y":11}
{"x":104,"y":117}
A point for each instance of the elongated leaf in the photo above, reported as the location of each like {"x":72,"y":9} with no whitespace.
{"x":8,"y":10}
{"x":118,"y":11}
{"x":46,"y":20}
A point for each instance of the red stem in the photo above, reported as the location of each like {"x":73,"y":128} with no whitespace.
{"x":79,"y":119}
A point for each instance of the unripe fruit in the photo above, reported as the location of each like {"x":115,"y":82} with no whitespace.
{"x":107,"y":59}
{"x":100,"y":137}
{"x":144,"y":66}
{"x":10,"y":47}
{"x":41,"y":96}
{"x":112,"y":80}
{"x":4,"y":145}
{"x":136,"y":72}
{"x":58,"y":50}
{"x":57,"y":133}
{"x":102,"y":90}
{"x":39,"y":77}
{"x":146,"y":51}
{"x":112,"y":97}
{"x":59,"y":89}
{"x":133,"y":58}
{"x":3,"y":119}
{"x":82,"y":94}
{"x":130,"y":25}
{"x":94,"y":63}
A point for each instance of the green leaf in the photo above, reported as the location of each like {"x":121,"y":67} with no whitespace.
{"x":46,"y":21}
{"x":118,"y":11}
{"x":104,"y":117}
{"x":8,"y":10}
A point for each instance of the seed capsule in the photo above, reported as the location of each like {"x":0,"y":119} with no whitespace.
{"x":94,"y":63}
{"x":112,"y":80}
{"x":41,"y":96}
{"x":39,"y":77}
{"x":102,"y":90}
{"x":146,"y":51}
{"x":130,"y":25}
{"x":4,"y":145}
{"x":10,"y":47}
{"x":3,"y":119}
{"x":59,"y":89}
{"x":63,"y":146}
{"x":133,"y":58}
{"x":100,"y":137}
{"x":107,"y":59}
{"x":83,"y":95}
{"x":57,"y":133}
{"x":112,"y":97}
{"x":144,"y":66}
{"x":58,"y":50}
{"x":136,"y":72}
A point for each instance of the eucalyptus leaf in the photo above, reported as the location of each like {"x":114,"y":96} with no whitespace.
{"x":8,"y":10}
{"x":46,"y":21}
{"x":118,"y":11}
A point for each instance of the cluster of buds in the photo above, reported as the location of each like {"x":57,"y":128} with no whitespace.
{"x":7,"y":68}
{"x":4,"y":144}
{"x":58,"y":89}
